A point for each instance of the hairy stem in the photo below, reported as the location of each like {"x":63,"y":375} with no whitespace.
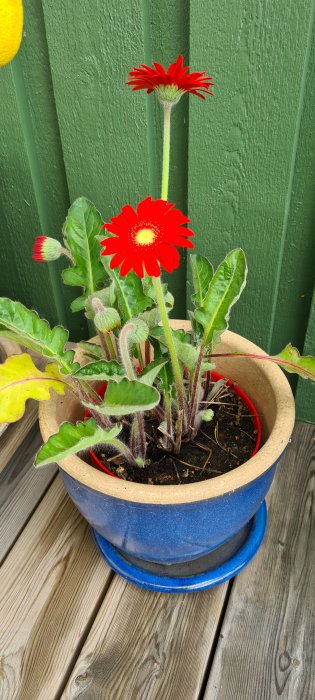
{"x":87,"y":393}
{"x":167,"y":106}
{"x":124,"y":450}
{"x":170,"y":344}
{"x":195,"y":390}
{"x":147,"y":352}
{"x":130,"y":372}
{"x":110,"y":344}
{"x":104,"y":345}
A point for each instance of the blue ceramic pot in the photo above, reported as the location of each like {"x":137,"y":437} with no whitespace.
{"x":193,"y":535}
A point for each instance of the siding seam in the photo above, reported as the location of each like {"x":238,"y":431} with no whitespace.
{"x":291,"y":174}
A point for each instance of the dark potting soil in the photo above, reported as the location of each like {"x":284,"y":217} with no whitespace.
{"x":219,"y":446}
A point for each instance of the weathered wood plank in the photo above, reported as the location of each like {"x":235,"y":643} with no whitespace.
{"x":267,"y":643}
{"x":52,"y":583}
{"x":147,"y":645}
{"x":14,"y":435}
{"x":21,"y":488}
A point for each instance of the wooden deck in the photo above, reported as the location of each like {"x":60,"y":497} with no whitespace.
{"x":70,"y":628}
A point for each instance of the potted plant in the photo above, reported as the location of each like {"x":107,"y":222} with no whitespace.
{"x":174,"y":486}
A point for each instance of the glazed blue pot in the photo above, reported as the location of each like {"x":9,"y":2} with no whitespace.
{"x":169,"y":534}
{"x":185,"y":537}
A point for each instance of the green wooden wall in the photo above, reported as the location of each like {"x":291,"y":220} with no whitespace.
{"x":243,"y":162}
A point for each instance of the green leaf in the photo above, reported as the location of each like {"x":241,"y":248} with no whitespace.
{"x":290,"y":359}
{"x":151,"y":371}
{"x":202,"y":273}
{"x":197,"y":328}
{"x":151,"y":317}
{"x":25,"y":327}
{"x":74,"y":438}
{"x":80,"y":230}
{"x":91,"y":350}
{"x":150,"y":291}
{"x":102,"y":370}
{"x":126,"y":397}
{"x":186,"y":352}
{"x":129,"y":292}
{"x":224,"y":290}
{"x":21,"y":380}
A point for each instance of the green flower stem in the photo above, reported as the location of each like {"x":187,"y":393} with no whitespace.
{"x":104,"y":345}
{"x":124,"y":450}
{"x":167,"y":107}
{"x":170,"y":344}
{"x":86,"y":393}
{"x":195,"y":389}
{"x":110,"y":346}
{"x":130,"y":372}
{"x":124,"y":351}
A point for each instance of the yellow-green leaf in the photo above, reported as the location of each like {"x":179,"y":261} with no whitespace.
{"x":290,"y":359}
{"x":21,"y":380}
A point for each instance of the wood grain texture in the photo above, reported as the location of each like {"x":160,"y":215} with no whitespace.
{"x":267,"y":642}
{"x":33,"y":189}
{"x":305,"y":395}
{"x":14,"y":435}
{"x":243,"y":142}
{"x":147,"y":645}
{"x":102,"y":124}
{"x":297,"y":278}
{"x":21,"y":488}
{"x":52,"y":583}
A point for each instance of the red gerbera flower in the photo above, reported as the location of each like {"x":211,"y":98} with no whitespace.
{"x":146,"y":238}
{"x":170,"y":84}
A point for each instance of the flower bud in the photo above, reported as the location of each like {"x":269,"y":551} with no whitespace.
{"x":46,"y":249}
{"x":138,"y":331}
{"x":106,"y":320}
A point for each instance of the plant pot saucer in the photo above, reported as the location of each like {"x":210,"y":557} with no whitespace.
{"x":221,"y":564}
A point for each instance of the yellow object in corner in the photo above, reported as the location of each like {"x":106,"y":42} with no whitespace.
{"x":11,"y":27}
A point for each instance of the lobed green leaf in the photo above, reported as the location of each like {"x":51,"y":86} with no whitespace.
{"x":71,"y":439}
{"x":151,"y":371}
{"x":202,"y":273}
{"x":24,"y":326}
{"x":224,"y":290}
{"x":80,"y":232}
{"x":102,"y":370}
{"x":129,"y":396}
{"x":130,"y":296}
{"x":91,"y":350}
{"x":290,"y":359}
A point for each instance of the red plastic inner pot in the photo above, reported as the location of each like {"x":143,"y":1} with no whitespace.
{"x":214,"y":376}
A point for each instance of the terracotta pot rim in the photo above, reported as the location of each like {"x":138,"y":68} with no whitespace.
{"x":251,"y":470}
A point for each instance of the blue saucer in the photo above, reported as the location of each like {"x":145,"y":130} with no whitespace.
{"x":148,"y":575}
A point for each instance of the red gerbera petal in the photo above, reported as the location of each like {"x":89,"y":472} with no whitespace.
{"x":146,"y":238}
{"x":177,"y":77}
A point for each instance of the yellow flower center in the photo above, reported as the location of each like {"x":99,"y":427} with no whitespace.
{"x":145,"y":236}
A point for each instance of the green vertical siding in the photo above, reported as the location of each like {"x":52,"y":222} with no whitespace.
{"x":69,"y":126}
{"x":305,"y":395}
